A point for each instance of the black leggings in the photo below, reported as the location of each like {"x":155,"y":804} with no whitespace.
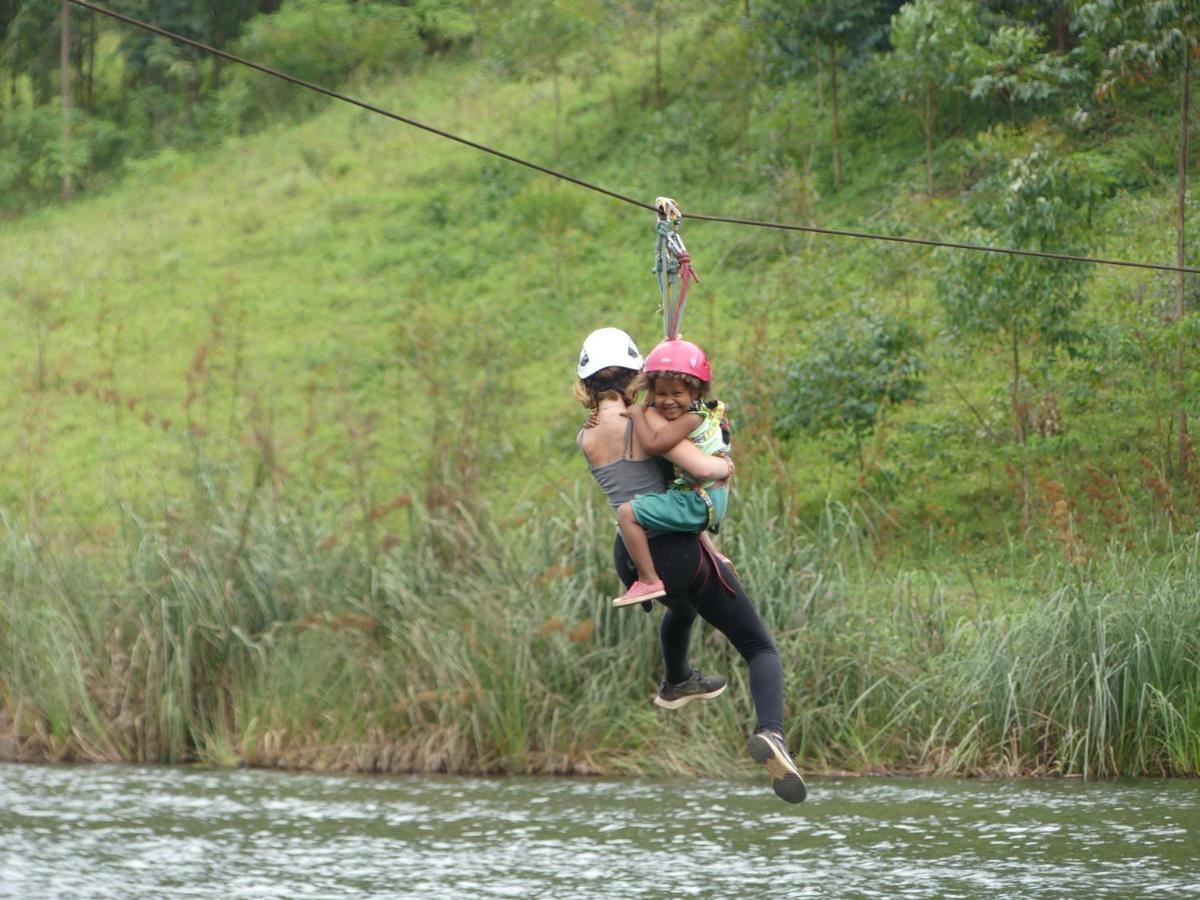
{"x":693,"y":587}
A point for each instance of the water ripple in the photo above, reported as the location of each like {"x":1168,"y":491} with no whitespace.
{"x":117,"y":831}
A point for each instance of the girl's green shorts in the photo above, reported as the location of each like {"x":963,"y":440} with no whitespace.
{"x":675,"y":510}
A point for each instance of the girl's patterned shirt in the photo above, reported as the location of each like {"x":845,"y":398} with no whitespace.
{"x":709,"y":436}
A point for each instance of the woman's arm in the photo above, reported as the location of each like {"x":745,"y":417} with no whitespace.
{"x":658,"y":435}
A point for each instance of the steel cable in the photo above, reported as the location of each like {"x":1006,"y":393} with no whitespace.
{"x":698,"y":217}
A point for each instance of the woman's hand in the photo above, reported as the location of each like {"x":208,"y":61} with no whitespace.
{"x":593,"y":419}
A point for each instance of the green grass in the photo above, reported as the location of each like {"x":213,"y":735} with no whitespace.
{"x":253,"y":639}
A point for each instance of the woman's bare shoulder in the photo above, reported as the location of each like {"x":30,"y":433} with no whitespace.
{"x":604,"y":442}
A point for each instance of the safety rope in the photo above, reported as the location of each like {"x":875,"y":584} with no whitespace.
{"x":812,"y":229}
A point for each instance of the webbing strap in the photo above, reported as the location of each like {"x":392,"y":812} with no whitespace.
{"x":686,"y":274}
{"x":708,"y":507}
{"x":716,"y":564}
{"x":666,"y":267}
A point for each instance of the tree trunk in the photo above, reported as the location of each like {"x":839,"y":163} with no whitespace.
{"x":658,"y":79}
{"x":557,"y":111}
{"x":191,"y":95}
{"x":958,"y":130}
{"x":1185,"y":448}
{"x":1019,"y":425}
{"x":64,"y":73}
{"x":219,"y":41}
{"x":89,"y":84}
{"x":820,"y":89}
{"x":927,"y":121}
{"x":1061,"y":28}
{"x":833,"y":105}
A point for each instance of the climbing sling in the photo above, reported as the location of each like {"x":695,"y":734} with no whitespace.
{"x":672,"y":266}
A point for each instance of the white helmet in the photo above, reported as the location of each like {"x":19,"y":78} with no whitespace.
{"x":606,"y":347}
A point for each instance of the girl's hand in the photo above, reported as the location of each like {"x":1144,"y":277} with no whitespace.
{"x":729,"y":562}
{"x":593,"y":419}
{"x":725,"y":481}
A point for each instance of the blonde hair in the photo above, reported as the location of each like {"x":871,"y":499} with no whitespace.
{"x":612,"y":383}
{"x":646,"y":381}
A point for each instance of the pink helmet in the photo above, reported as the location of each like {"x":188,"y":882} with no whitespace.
{"x":679,"y":356}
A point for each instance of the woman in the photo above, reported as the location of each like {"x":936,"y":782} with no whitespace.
{"x":696,"y":580}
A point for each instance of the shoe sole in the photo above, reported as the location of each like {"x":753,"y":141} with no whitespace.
{"x":642,"y":598}
{"x":688,"y":698}
{"x":785,"y":777}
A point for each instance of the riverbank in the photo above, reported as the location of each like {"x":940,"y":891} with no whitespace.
{"x":264,"y":635}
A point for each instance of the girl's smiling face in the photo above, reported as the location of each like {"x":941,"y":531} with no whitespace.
{"x":672,"y":397}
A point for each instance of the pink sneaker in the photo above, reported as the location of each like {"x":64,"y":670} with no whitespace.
{"x":640,"y":591}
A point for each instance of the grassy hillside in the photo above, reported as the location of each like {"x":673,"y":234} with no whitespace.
{"x":363,"y":304}
{"x":267,"y":391}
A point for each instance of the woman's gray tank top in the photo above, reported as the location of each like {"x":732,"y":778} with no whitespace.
{"x":626,"y":478}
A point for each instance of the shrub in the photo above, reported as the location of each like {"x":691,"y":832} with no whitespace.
{"x":861,"y":363}
{"x":33,"y":158}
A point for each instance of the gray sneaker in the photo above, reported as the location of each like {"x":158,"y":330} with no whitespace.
{"x":768,"y":749}
{"x":697,"y":687}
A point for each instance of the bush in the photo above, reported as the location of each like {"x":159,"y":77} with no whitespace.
{"x":445,"y":24}
{"x":860,"y":364}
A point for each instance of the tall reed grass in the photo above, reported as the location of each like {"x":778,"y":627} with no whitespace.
{"x":270,"y":634}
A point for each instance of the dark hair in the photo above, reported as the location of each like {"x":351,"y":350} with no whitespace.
{"x":613,"y":382}
{"x":647,"y":380}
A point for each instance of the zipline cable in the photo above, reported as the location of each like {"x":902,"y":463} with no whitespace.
{"x":952,"y":245}
{"x":730,"y":220}
{"x":154,"y":29}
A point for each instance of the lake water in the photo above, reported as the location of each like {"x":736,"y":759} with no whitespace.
{"x":120,"y":831}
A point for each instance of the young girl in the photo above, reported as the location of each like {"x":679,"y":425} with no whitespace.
{"x":679,"y":377}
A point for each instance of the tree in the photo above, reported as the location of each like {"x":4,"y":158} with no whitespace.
{"x":1021,"y":301}
{"x":1147,"y":40}
{"x":931,"y":42}
{"x":1014,"y":67}
{"x":445,"y":24}
{"x":843,"y":31}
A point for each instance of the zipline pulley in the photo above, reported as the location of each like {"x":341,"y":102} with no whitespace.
{"x":672,"y":265}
